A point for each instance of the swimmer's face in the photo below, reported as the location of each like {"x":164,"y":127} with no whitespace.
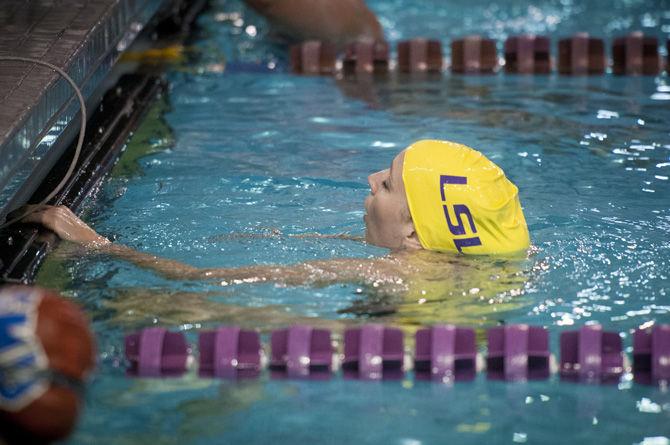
{"x":387,"y":221}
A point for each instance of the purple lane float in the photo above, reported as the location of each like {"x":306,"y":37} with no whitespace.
{"x":441,"y":354}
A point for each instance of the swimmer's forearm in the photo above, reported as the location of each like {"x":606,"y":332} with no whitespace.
{"x":315,"y":273}
{"x":170,"y":269}
{"x":176,"y":270}
{"x":276,"y":233}
{"x":342,"y":236}
{"x":69,"y":227}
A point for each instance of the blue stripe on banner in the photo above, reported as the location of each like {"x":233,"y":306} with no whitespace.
{"x":22,"y":359}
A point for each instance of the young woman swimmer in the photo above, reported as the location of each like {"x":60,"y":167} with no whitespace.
{"x":437,"y":196}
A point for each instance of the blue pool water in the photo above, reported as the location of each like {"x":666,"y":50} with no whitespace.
{"x":246,"y":158}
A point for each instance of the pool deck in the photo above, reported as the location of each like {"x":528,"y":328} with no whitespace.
{"x":39,"y":111}
{"x":82,"y":37}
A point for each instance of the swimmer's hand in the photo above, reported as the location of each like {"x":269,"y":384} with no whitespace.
{"x":68,"y":226}
{"x":64,"y":223}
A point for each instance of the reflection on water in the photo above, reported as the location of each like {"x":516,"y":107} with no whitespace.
{"x":463,"y":290}
{"x":138,"y":307}
{"x":178,"y":418}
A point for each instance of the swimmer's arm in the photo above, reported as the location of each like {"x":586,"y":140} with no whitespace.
{"x":70,"y":227}
{"x":276,"y":233}
{"x":342,"y":236}
{"x":314,"y":273}
{"x":338,"y":21}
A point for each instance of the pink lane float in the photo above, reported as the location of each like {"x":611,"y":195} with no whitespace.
{"x":578,"y":55}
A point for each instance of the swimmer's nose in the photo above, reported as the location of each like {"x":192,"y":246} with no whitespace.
{"x":373,"y":181}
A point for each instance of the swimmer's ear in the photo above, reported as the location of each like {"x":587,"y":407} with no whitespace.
{"x":411,"y":240}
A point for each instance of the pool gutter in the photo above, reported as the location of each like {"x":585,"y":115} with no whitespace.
{"x":85,"y":39}
{"x":36,"y":146}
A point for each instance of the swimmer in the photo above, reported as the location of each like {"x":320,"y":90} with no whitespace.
{"x":436,"y":196}
{"x":334,"y":21}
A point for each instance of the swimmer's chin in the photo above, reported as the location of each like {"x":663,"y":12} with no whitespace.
{"x":368,"y":238}
{"x":366,"y":203}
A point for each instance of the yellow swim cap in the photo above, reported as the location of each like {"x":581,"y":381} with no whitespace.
{"x":460,"y":201}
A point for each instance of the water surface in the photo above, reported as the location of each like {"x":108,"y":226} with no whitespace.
{"x":244,"y":159}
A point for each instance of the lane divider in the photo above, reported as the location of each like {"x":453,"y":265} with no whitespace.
{"x":445,"y":353}
{"x":580,"y":54}
{"x":366,"y":57}
{"x":518,"y":352}
{"x":528,"y":54}
{"x":474,"y":55}
{"x":442,"y":353}
{"x":420,"y":55}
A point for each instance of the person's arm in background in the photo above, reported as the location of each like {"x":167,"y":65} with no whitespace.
{"x":335,"y":21}
{"x":70,"y":227}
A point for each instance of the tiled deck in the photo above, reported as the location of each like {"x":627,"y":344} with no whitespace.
{"x":83,"y":37}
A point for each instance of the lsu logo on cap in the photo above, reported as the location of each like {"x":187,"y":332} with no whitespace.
{"x":462,"y":202}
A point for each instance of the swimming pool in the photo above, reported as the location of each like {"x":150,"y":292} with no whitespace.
{"x":241,"y":154}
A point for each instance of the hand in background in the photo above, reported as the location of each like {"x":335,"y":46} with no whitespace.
{"x":61,"y":221}
{"x":334,"y":21}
